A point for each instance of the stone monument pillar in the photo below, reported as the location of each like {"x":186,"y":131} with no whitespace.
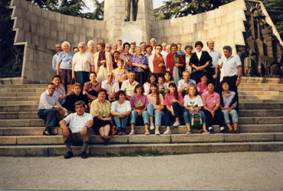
{"x":118,"y":27}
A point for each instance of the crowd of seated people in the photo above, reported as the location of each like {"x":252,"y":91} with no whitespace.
{"x":149,"y":85}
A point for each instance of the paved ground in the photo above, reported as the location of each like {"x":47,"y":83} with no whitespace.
{"x":224,"y":171}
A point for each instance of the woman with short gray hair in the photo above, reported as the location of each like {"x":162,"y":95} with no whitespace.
{"x":64,"y":64}
{"x":82,"y":64}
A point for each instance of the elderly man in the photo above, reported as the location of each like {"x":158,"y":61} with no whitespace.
{"x":129,"y":85}
{"x":55,"y":57}
{"x":49,"y":109}
{"x":75,"y":130}
{"x":215,"y":55}
{"x":231,"y":69}
{"x":111,"y":86}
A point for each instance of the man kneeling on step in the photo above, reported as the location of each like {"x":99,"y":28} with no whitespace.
{"x":76,"y":130}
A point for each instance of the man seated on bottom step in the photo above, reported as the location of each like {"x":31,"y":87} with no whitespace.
{"x":76,"y":130}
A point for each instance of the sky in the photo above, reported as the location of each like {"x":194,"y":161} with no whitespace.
{"x":89,"y":3}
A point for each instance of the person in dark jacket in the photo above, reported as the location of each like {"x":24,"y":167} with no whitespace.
{"x":75,"y":96}
{"x":200,"y":61}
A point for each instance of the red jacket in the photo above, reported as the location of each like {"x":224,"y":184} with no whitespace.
{"x":170,"y":62}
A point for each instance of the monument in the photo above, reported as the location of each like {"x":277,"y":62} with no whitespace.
{"x":246,"y":27}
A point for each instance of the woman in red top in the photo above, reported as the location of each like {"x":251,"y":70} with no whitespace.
{"x":158,"y":62}
{"x":175,"y":63}
{"x":174,"y":107}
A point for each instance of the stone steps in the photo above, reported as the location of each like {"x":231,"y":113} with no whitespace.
{"x":246,"y":105}
{"x":39,"y":122}
{"x":144,"y":139}
{"x":14,"y":98}
{"x":26,"y":90}
{"x":7,"y":103}
{"x":18,"y":115}
{"x":242,"y":113}
{"x":143,"y":149}
{"x":244,"y":128}
{"x":261,"y":127}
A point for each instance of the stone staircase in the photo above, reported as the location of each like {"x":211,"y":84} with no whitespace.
{"x":261,"y":127}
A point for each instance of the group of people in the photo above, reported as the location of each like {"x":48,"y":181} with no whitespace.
{"x":149,"y":85}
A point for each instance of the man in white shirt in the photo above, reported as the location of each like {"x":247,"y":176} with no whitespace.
{"x":49,"y":109}
{"x":111,"y":86}
{"x":58,"y":50}
{"x":215,"y":55}
{"x":129,"y":85}
{"x":165,"y":52}
{"x":184,"y":83}
{"x":231,"y":69}
{"x":76,"y":130}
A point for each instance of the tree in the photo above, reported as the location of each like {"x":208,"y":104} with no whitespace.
{"x":98,"y":11}
{"x":72,"y":7}
{"x":180,"y":8}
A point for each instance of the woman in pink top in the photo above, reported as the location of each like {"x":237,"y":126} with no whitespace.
{"x":155,"y":107}
{"x":202,"y":85}
{"x":139,"y":104}
{"x":174,"y":107}
{"x":211,"y":105}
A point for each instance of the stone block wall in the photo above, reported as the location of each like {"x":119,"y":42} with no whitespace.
{"x":40,"y":30}
{"x":224,"y":25}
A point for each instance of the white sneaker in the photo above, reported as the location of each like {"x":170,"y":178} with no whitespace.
{"x":157,"y":132}
{"x":168,"y":131}
{"x":132,"y":132}
{"x":210,"y":128}
{"x":147,"y":132}
{"x":176,"y":124}
{"x":151,"y":126}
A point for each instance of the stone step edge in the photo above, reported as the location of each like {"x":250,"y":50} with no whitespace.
{"x":144,"y":150}
{"x":144,"y":139}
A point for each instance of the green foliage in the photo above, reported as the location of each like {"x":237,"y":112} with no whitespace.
{"x":72,"y":7}
{"x":275,"y":10}
{"x":180,"y":8}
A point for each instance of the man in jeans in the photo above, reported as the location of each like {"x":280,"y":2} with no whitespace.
{"x":76,"y":130}
{"x":49,"y":109}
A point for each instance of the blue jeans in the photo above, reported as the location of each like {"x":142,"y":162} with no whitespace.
{"x":187,"y":117}
{"x":121,"y":123}
{"x":233,"y":114}
{"x":50,"y":118}
{"x":134,"y":116}
{"x":153,"y":113}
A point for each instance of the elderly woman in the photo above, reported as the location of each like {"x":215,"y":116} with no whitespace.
{"x":140,"y":66}
{"x":101,"y":111}
{"x":91,"y":47}
{"x":102,"y":62}
{"x":64,"y":64}
{"x":82,"y":64}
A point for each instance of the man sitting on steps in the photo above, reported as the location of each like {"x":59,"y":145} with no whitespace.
{"x":50,"y":110}
{"x":76,"y":133}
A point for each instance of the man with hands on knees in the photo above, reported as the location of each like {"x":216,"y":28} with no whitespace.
{"x":76,"y":130}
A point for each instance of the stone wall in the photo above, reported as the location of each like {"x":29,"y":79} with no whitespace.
{"x":224,"y":25}
{"x":40,"y":30}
